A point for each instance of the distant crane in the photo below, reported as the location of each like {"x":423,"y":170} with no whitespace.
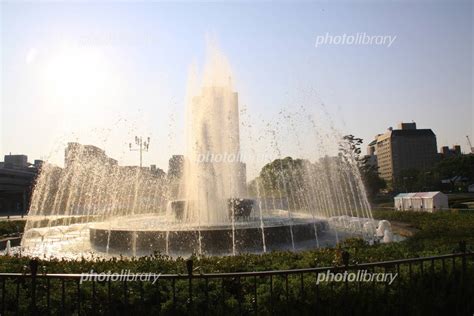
{"x":470,"y":145}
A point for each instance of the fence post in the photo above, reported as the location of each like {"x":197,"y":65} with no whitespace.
{"x":461,"y":301}
{"x":462,"y":249}
{"x":345,"y":261}
{"x":189,"y":267}
{"x":345,"y":258}
{"x":33,"y":271}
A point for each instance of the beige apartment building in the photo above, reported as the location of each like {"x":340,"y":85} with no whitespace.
{"x":404,"y":148}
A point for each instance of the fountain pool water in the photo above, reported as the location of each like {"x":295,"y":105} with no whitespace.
{"x":93,"y":206}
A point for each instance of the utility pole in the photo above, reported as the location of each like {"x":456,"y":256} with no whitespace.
{"x":142,"y":146}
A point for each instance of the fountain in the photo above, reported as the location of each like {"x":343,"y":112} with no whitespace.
{"x":94,"y":205}
{"x":212,"y":214}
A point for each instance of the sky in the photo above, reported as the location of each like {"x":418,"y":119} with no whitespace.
{"x":102,"y":72}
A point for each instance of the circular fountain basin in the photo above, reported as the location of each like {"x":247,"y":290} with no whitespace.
{"x":146,"y":234}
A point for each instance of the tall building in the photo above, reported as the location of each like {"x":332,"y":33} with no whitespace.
{"x":17,"y":178}
{"x":175,"y":166}
{"x":447,"y":152}
{"x":76,"y":152}
{"x":16,"y":161}
{"x":404,"y":148}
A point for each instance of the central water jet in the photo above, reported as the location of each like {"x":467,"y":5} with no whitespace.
{"x":213,"y":173}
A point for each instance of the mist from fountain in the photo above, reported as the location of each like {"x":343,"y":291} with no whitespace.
{"x":92,"y":193}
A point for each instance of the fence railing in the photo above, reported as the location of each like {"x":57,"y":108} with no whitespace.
{"x":427,"y":284}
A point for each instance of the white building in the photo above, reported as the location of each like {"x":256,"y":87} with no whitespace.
{"x":421,"y":201}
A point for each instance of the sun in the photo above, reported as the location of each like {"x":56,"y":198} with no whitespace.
{"x":80,"y":86}
{"x":76,"y":73}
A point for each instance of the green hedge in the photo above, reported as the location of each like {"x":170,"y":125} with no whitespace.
{"x":11,"y":227}
{"x":439,"y":233}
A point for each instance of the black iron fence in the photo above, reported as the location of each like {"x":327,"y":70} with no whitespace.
{"x":427,"y":285}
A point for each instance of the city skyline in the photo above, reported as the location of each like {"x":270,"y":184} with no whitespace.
{"x":72,"y":72}
{"x":441,"y":150}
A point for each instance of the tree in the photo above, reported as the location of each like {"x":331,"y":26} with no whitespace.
{"x":371,"y":178}
{"x":285,"y":179}
{"x":350,"y":148}
{"x":280,"y":175}
{"x":409,"y":180}
{"x":457,"y":169}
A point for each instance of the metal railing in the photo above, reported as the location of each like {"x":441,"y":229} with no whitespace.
{"x":420,"y":282}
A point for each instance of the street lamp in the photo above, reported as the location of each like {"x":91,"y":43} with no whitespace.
{"x":143,"y":146}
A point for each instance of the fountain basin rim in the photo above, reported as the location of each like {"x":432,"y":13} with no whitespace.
{"x":268,"y":223}
{"x":210,"y":240}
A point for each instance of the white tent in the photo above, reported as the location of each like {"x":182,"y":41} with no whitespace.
{"x":421,"y":201}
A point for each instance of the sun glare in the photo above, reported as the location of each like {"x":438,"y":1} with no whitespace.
{"x":76,"y":73}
